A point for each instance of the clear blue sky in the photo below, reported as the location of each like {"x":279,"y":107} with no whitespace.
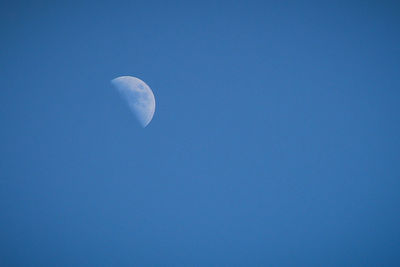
{"x":275,"y":141}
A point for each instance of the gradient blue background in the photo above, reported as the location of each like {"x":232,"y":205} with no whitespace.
{"x":275,"y":142}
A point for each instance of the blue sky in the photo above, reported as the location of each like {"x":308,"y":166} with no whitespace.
{"x":275,"y":140}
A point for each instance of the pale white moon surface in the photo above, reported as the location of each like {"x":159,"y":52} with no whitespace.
{"x":139,"y":97}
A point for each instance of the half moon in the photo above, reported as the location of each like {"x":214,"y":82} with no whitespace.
{"x":139,"y":97}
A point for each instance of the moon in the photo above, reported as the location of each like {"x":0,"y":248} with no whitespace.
{"x":139,"y":97}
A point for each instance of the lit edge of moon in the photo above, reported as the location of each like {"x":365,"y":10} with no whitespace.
{"x":139,"y":97}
